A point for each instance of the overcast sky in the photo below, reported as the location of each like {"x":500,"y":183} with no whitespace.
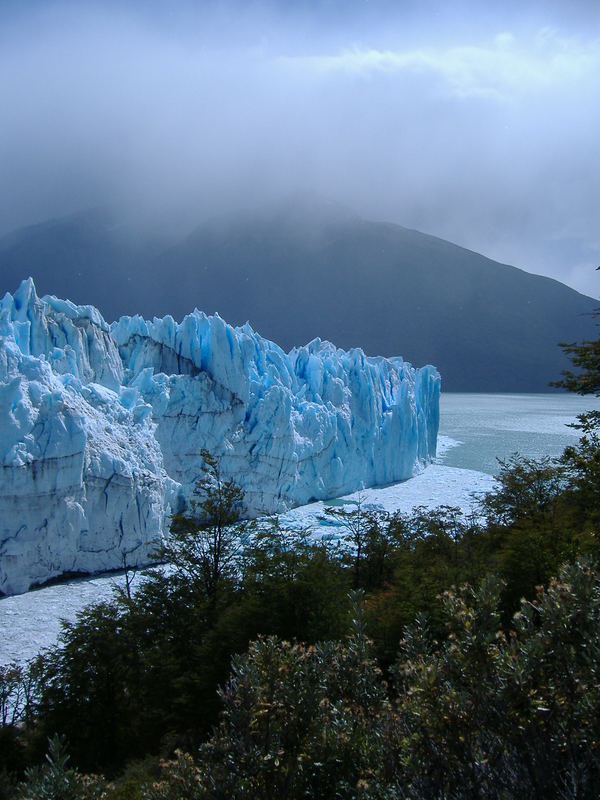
{"x":477,"y":122}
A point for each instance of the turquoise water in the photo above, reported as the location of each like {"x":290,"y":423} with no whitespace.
{"x":492,"y":426}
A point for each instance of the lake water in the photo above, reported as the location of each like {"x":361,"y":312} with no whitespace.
{"x":492,"y":426}
{"x":475,"y":429}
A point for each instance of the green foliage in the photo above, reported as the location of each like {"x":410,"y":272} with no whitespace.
{"x":526,"y":488}
{"x":358,"y":526}
{"x":57,"y":781}
{"x":294,"y":588}
{"x":19,"y":693}
{"x":582,"y":461}
{"x":444,"y":698}
{"x":140,"y":674}
{"x":205,"y":542}
{"x":489,"y":714}
{"x":537,"y":519}
{"x":11,"y":694}
{"x":483,"y":712}
{"x":180,"y":778}
{"x":86,"y":682}
{"x":8,"y":784}
{"x":131,"y":675}
{"x":586,"y":359}
{"x":551,"y":667}
{"x":136,"y":780}
{"x":299,"y":721}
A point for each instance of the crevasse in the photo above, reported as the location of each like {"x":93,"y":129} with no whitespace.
{"x":102,"y":427}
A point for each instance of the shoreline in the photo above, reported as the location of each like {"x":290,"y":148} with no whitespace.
{"x":31,"y":622}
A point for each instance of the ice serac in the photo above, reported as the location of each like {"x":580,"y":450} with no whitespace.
{"x":82,"y":481}
{"x":311,"y":424}
{"x":102,"y":427}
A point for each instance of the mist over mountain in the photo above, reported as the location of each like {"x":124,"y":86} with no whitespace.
{"x":88,"y":257}
{"x":308,"y":268}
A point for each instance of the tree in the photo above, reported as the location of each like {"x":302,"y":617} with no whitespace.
{"x":586,"y":358}
{"x":206,"y":539}
{"x":293,"y":586}
{"x":356,"y":524}
{"x":92,"y":692}
{"x":11,"y":695}
{"x":527,"y":487}
{"x":582,"y":461}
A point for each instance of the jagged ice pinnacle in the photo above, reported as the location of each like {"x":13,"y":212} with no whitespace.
{"x":102,"y":428}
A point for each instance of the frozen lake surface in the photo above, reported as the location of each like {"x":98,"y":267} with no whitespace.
{"x":474,"y":431}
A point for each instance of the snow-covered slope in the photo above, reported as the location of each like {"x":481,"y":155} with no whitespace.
{"x":101,"y":428}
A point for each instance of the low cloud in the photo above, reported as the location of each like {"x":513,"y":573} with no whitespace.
{"x":478,"y":129}
{"x":506,"y":68}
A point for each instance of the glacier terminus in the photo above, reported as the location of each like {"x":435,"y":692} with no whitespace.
{"x":102,"y":428}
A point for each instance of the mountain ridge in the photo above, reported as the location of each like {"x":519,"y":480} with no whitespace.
{"x":303,"y":270}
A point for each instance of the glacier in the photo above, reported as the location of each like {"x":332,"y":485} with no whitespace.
{"x":102,"y":428}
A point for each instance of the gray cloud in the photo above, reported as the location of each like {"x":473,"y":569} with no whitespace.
{"x":480,"y":129}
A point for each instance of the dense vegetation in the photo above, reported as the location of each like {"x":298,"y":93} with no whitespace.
{"x":420,"y":656}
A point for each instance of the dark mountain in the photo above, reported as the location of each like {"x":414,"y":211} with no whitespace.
{"x":86,"y":257}
{"x":310,"y":270}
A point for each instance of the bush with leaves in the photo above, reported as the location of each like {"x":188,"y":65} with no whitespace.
{"x":180,"y":779}
{"x":481,"y":713}
{"x":55,"y":780}
{"x":299,"y":722}
{"x":92,"y":688}
{"x":582,"y":464}
{"x":550,"y":678}
{"x":447,"y":730}
{"x":293,"y":587}
{"x":495,"y":715}
{"x":357,"y":526}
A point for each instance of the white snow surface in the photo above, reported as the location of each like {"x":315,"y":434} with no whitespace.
{"x":31,"y":622}
{"x":102,"y":428}
{"x":438,"y":485}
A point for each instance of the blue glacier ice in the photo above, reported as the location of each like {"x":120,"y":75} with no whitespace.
{"x":102,"y":428}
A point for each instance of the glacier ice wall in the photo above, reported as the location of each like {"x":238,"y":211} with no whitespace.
{"x":82,"y":480}
{"x":101,"y":428}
